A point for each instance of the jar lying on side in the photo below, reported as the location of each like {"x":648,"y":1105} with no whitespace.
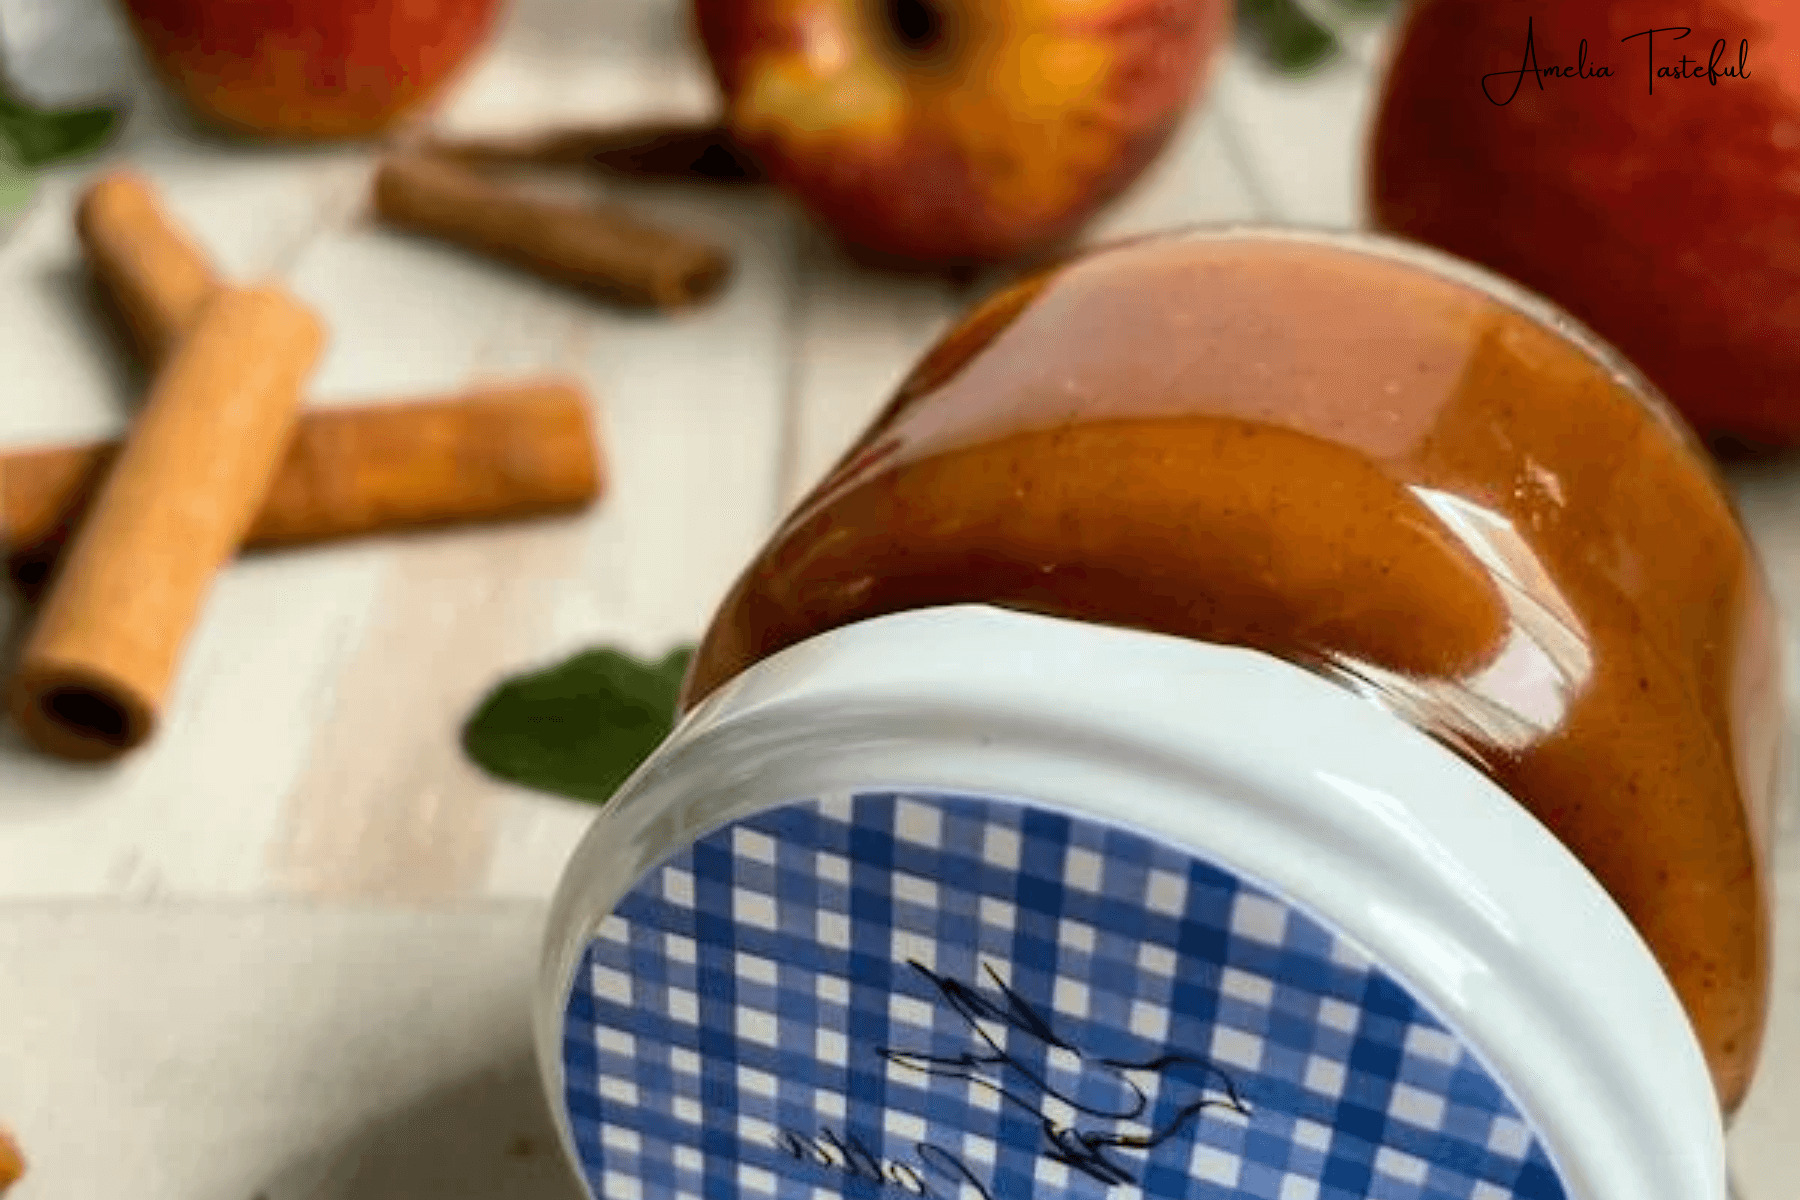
{"x":1381,"y":464}
{"x":1325,"y":560}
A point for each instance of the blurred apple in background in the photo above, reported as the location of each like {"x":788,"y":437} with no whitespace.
{"x":308,"y":68}
{"x":1669,"y":221}
{"x":957,"y":131}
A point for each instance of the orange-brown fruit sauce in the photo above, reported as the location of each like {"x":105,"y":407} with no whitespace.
{"x":1381,"y":465}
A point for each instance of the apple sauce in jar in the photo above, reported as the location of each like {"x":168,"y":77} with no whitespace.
{"x":1375,"y":462}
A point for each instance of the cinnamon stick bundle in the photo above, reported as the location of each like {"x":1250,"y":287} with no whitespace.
{"x":179,"y":498}
{"x":502,"y":452}
{"x":602,"y":248}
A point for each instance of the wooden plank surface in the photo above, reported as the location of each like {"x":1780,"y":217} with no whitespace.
{"x":289,"y":1052}
{"x":312,"y":743}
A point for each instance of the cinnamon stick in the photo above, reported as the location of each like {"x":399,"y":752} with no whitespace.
{"x":12,"y":1163}
{"x":704,"y":151}
{"x":603,"y":248}
{"x":501,"y":453}
{"x":181,"y":494}
{"x":151,"y":271}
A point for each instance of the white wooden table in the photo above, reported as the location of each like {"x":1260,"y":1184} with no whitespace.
{"x":311,"y":752}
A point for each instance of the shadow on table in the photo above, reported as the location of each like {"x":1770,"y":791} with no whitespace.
{"x":487,"y":1136}
{"x":71,"y":287}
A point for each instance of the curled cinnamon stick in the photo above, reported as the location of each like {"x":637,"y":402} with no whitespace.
{"x":518,"y":450}
{"x":148,"y":267}
{"x":658,"y":149}
{"x":179,"y":498}
{"x":603,"y":248}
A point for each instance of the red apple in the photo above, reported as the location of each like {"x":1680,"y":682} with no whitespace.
{"x":308,"y":68}
{"x":957,"y":131}
{"x":1658,"y":203}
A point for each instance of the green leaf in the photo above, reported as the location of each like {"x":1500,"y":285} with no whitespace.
{"x":38,"y":138}
{"x":18,"y":184}
{"x":1297,"y":35}
{"x":579,"y":728}
{"x":1291,"y":40}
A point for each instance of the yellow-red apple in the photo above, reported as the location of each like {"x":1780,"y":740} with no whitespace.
{"x":308,"y":69}
{"x":957,"y":131}
{"x":1645,"y":178}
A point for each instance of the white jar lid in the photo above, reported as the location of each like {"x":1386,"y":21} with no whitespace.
{"x":968,"y":903}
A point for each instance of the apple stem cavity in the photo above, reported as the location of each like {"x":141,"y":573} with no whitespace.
{"x":917,"y":26}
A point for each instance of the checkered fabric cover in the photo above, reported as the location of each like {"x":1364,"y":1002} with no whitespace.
{"x":965,"y":997}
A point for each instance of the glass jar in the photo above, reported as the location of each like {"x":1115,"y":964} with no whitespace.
{"x":1259,"y":709}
